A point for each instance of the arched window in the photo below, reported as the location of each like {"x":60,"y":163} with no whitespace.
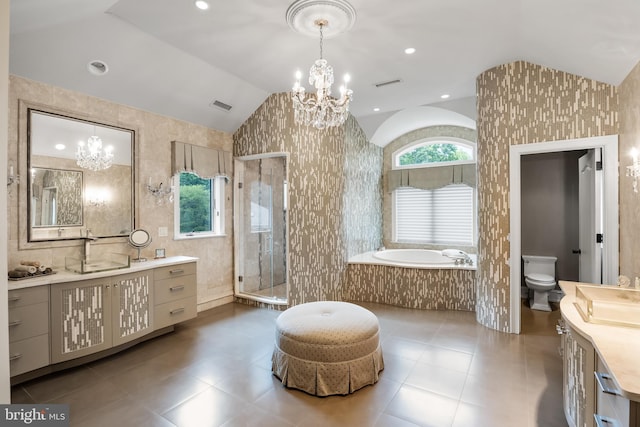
{"x":435,"y":152}
{"x":431,"y":209}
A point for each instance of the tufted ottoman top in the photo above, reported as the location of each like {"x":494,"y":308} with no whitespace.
{"x":327,"y":331}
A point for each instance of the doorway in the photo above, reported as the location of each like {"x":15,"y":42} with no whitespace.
{"x":261,"y":228}
{"x":608,"y":146}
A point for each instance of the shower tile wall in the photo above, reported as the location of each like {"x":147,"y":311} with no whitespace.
{"x":334,"y":194}
{"x":521,"y":103}
{"x":272,"y":172}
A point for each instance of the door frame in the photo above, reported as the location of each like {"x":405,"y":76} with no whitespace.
{"x":610,"y":268}
{"x":238,"y":247}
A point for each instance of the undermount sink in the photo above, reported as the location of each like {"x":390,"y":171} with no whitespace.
{"x":609,"y":305}
{"x":113,"y":261}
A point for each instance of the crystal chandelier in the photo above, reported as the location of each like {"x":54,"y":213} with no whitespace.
{"x":92,"y":156}
{"x":320,"y":110}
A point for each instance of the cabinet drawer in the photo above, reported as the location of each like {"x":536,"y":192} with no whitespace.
{"x":28,"y":321}
{"x":174,"y":271}
{"x":174,"y":312}
{"x":27,"y":355}
{"x":27,"y":296}
{"x":174,"y":289}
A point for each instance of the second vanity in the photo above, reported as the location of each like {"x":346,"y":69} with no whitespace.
{"x":67,"y":319}
{"x":601,"y":369}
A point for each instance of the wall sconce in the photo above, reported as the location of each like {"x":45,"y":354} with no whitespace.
{"x":11,"y":178}
{"x":97,"y":197}
{"x":161,"y":194}
{"x":634,"y":170}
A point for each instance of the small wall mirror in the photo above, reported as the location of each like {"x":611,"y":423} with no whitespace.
{"x":139,"y":239}
{"x":66,"y":196}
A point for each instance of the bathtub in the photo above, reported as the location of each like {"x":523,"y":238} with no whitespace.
{"x":420,"y":257}
{"x":412,"y":278}
{"x":412,"y":258}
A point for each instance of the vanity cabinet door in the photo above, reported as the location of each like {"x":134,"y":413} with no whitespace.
{"x":80,"y":318}
{"x":132,"y":306}
{"x":579,"y":384}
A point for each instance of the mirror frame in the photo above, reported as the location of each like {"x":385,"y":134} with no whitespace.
{"x":22,"y":213}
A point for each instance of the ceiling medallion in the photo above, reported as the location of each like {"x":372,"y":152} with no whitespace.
{"x":320,"y":109}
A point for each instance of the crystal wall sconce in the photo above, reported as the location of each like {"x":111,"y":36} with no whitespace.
{"x":161,"y":193}
{"x":11,"y":177}
{"x":634,"y":170}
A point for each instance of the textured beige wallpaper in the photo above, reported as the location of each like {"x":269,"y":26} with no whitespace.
{"x":522,"y":103}
{"x":154,"y":136}
{"x":334,"y":194}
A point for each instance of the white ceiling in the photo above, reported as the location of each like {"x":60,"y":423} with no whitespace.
{"x":168,"y":57}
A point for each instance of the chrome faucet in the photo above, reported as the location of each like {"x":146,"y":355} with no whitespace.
{"x":88,"y":238}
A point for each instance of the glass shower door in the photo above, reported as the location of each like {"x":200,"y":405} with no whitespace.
{"x":262,"y":232}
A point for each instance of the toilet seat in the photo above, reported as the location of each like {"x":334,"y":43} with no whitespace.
{"x":543,"y":279}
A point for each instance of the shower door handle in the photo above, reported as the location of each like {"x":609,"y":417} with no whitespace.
{"x":576,"y":251}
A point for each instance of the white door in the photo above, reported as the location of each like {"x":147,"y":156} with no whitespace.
{"x":590,"y":217}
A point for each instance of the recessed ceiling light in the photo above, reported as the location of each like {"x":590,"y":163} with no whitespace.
{"x":60,"y":146}
{"x":445,"y":96}
{"x":410,"y":50}
{"x":97,"y":67}
{"x":202,"y":5}
{"x":376,"y":109}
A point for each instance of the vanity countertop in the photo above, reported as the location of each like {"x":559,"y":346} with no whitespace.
{"x":617,"y":346}
{"x":64,"y":276}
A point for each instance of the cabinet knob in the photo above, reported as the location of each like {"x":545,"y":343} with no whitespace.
{"x":14,"y":299}
{"x":177,"y":311}
{"x":176,"y":271}
{"x":15,"y":356}
{"x":15,"y":323}
{"x":176,"y":288}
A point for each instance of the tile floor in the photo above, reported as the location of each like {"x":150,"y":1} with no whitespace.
{"x":441,"y":369}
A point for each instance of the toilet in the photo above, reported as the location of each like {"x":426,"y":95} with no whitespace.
{"x":540,"y":277}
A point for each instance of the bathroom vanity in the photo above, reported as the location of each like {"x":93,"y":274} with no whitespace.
{"x":67,"y":319}
{"x":601,"y":373}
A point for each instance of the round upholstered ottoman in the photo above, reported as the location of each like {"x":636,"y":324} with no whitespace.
{"x":327,"y":347}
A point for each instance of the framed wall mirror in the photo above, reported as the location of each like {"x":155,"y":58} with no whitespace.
{"x":81,"y":177}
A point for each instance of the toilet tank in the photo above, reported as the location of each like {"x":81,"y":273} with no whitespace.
{"x":539,"y":265}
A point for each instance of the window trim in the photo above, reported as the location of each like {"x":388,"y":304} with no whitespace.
{"x":218,"y":212}
{"x":430,"y":141}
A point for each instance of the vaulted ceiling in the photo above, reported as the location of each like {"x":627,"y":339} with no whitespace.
{"x":171,"y":58}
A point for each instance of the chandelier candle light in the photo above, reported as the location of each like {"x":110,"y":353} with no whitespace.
{"x":320,"y":110}
{"x":92,"y":156}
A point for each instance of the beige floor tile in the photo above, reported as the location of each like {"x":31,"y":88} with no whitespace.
{"x":437,"y":379}
{"x":422,"y":407}
{"x":211,"y":407}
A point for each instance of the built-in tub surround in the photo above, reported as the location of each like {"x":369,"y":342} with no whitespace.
{"x":334,"y":194}
{"x":434,"y":286}
{"x":155,"y":133}
{"x":521,"y":103}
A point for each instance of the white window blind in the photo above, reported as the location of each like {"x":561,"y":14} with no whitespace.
{"x":440,"y":216}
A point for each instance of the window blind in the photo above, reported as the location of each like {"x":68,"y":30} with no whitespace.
{"x":440,"y":216}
